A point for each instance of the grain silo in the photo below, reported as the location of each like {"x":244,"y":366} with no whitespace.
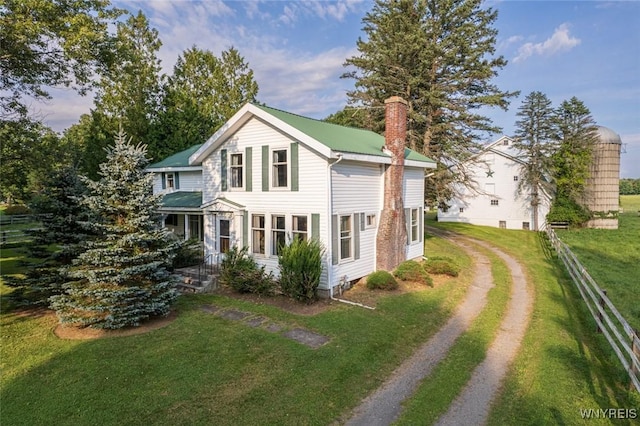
{"x":603,"y":185}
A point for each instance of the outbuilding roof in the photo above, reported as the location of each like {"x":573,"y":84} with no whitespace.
{"x":180,"y":159}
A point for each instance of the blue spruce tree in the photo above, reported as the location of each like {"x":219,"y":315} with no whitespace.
{"x":121,"y":279}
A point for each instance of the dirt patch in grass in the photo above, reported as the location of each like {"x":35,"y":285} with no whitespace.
{"x":77,"y":333}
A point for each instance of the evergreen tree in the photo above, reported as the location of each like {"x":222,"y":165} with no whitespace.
{"x":122,"y":278}
{"x":535,"y":136}
{"x":439,"y":56}
{"x":57,"y":243}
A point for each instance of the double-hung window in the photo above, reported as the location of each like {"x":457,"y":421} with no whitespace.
{"x":170,"y":177}
{"x":236,"y":171}
{"x":279,"y":171}
{"x":278,"y":234}
{"x":258,"y":233}
{"x":415,"y":225}
{"x":346,"y":237}
{"x":300,"y":227}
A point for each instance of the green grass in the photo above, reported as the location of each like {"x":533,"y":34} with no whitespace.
{"x":563,"y":366}
{"x":612,"y":256}
{"x":202,"y":369}
{"x":437,"y":392}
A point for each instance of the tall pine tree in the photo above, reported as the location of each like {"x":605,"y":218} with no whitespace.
{"x":122,"y":278}
{"x":535,"y":138}
{"x":439,"y":56}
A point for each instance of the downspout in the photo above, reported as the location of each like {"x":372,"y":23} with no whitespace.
{"x":330,"y":211}
{"x":330,"y":269}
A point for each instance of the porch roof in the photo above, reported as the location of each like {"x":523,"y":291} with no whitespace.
{"x":182,"y":199}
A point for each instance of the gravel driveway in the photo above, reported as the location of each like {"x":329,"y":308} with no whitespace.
{"x":472,"y":406}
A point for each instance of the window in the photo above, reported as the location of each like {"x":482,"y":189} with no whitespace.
{"x":414,"y":225}
{"x":494,"y":202}
{"x":515,"y":178}
{"x":370,"y":221}
{"x":225,"y":235}
{"x":346,"y":237}
{"x":300,"y":227}
{"x":194,"y":227}
{"x":525,"y":225}
{"x":278,"y":234}
{"x":502,"y":224}
{"x":236,"y":170}
{"x":461,"y":209}
{"x":257,"y":232}
{"x":171,"y":183}
{"x":505,"y":142}
{"x":279,"y":168}
{"x":171,"y":220}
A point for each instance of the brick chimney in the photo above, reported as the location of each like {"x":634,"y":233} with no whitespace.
{"x":391,"y":240}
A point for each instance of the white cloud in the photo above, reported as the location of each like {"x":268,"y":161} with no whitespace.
{"x":560,"y":41}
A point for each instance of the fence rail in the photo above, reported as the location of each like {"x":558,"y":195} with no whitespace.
{"x":13,"y":219}
{"x":624,"y":340}
{"x":16,"y":236}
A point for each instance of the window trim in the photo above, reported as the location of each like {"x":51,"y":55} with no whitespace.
{"x":350,"y":237}
{"x":374,"y":221}
{"x":233,"y":167}
{"x":272,"y":166}
{"x":415,"y":225}
{"x":264,"y":234}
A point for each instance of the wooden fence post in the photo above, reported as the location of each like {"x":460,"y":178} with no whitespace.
{"x":635,"y":352}
{"x":602,"y":305}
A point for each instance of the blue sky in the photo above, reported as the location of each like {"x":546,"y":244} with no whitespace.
{"x":587,"y":49}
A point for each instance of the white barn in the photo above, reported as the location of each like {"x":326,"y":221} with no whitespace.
{"x":267,"y":175}
{"x":497,"y":203}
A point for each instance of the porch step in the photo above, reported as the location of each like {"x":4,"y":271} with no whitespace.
{"x":189,"y":281}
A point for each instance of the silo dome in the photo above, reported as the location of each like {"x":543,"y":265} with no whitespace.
{"x":606,"y":135}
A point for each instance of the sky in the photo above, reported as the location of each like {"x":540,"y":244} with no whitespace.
{"x":586,"y":49}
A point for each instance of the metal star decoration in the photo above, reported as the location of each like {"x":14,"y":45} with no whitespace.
{"x":490,"y":173}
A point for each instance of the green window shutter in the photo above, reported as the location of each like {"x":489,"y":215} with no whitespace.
{"x":248,"y":166}
{"x":421,"y":223}
{"x":356,"y":236}
{"x":245,"y":228}
{"x":223,"y":170}
{"x":177,"y":179}
{"x":294,"y":167}
{"x":407,"y":222}
{"x":315,"y":226}
{"x":334,"y":239}
{"x":265,"y":167}
{"x":163,"y":178}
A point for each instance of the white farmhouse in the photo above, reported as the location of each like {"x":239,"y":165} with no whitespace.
{"x":268,"y":175}
{"x":497,"y":202}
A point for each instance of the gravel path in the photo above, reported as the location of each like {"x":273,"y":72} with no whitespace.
{"x":473,"y":404}
{"x":384,"y":405}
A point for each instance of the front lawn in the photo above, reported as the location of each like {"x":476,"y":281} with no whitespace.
{"x":202,"y":369}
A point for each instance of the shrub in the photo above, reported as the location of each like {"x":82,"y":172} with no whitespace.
{"x":382,"y":280}
{"x":563,"y":209}
{"x":17,"y":209}
{"x":242,"y":273}
{"x":300,"y":269}
{"x":188,"y":253}
{"x":441,"y":266}
{"x":410,"y":270}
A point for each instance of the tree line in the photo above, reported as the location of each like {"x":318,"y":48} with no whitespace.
{"x":67,"y":44}
{"x":629,"y":186}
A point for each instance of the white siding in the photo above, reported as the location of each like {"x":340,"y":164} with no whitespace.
{"x":189,"y":181}
{"x":311,"y":198}
{"x":357,"y":188}
{"x":413,"y":198}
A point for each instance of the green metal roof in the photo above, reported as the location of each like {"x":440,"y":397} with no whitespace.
{"x":340,"y":138}
{"x":180,"y":159}
{"x":182,"y":199}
